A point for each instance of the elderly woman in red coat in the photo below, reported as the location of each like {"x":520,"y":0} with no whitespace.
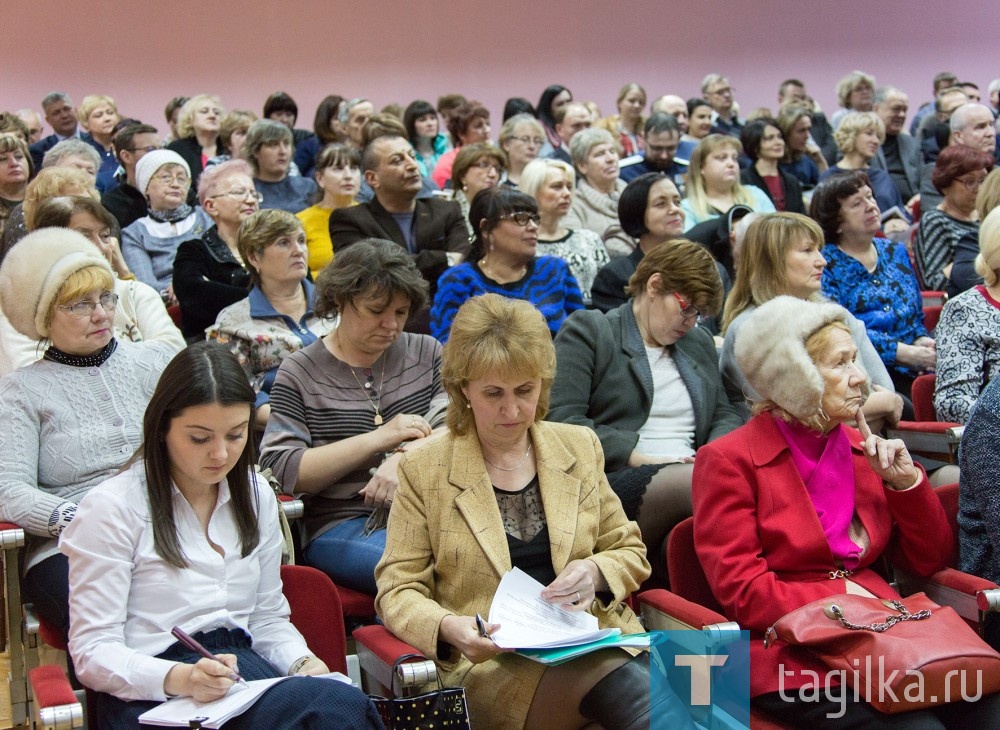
{"x":797,"y":505}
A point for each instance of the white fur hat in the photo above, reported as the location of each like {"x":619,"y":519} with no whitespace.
{"x":150,"y":162}
{"x":770,"y":350}
{"x":34,"y":271}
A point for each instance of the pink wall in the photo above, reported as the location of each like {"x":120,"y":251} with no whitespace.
{"x":144,"y":53}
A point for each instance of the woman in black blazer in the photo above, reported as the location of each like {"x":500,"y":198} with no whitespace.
{"x":764,"y":144}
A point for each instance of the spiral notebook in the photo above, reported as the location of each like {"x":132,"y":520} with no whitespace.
{"x":188,"y":712}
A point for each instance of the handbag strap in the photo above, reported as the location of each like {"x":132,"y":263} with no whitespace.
{"x":397,"y":670}
{"x":835,"y":612}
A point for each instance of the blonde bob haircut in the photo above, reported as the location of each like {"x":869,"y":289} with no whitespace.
{"x":53,"y":182}
{"x":494,"y":336}
{"x":78,"y":285}
{"x":10,"y":142}
{"x":185,"y":121}
{"x":535,"y":172}
{"x":988,"y":260}
{"x":696,"y":182}
{"x":988,"y":196}
{"x":854,"y":124}
{"x":683,"y":267}
{"x":762,"y":273}
{"x":850,"y":83}
{"x":90,"y":103}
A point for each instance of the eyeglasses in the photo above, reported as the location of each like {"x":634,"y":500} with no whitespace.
{"x":728,"y":91}
{"x":655,"y":149}
{"x":85,"y":308}
{"x":688,"y":311}
{"x":241,"y":194}
{"x":150,"y":148}
{"x":537,"y":141}
{"x":972,"y":183}
{"x":487,"y":165}
{"x":522,"y":218}
{"x":180,"y":178}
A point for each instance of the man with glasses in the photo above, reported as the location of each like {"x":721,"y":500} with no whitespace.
{"x":946,"y":102}
{"x":718,"y":92}
{"x":432,"y":230}
{"x":130,"y":143}
{"x":899,"y":155}
{"x":662,"y":137}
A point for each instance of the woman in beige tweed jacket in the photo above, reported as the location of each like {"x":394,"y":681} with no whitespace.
{"x":448,"y":544}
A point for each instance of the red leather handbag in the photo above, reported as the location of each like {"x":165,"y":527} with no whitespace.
{"x":897,"y":655}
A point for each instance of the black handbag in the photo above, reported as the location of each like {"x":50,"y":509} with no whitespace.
{"x":442,"y":708}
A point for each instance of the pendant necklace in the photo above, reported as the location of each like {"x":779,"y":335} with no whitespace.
{"x":513,"y":468}
{"x":368,"y":388}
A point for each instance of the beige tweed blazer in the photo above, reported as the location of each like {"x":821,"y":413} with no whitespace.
{"x":447,"y":550}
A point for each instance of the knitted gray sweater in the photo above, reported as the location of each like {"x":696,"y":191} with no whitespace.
{"x":67,"y":429}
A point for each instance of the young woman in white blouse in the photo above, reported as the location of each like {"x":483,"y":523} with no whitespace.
{"x":188,"y":536}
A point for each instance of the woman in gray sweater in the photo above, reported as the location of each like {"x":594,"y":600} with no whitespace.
{"x":73,"y":418}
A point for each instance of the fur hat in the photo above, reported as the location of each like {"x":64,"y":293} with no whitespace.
{"x":34,"y":271}
{"x":771,"y":352}
{"x":150,"y":162}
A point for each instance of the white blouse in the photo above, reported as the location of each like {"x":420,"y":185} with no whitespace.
{"x":669,"y":430}
{"x":125,"y":599}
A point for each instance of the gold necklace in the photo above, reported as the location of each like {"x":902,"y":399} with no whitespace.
{"x":376,"y":404}
{"x":513,"y":468}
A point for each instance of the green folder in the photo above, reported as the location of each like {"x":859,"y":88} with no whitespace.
{"x":564,"y":654}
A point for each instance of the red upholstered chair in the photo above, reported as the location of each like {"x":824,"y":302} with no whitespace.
{"x":932,"y":313}
{"x":315,"y":611}
{"x":926,"y":435}
{"x":691,"y":604}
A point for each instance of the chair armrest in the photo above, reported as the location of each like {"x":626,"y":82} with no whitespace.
{"x":936,"y":438}
{"x":11,"y":536}
{"x":378,"y":651}
{"x":57,"y":705}
{"x":967,"y":594}
{"x":292,"y":507}
{"x":665,"y":611}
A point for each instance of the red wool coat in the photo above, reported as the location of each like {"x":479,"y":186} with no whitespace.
{"x":763,"y":549}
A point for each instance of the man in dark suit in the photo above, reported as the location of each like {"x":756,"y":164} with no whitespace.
{"x":432,"y":230}
{"x":900,"y":154}
{"x":61,"y":116}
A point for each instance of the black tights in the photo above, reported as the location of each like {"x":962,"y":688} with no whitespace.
{"x":666,"y":502}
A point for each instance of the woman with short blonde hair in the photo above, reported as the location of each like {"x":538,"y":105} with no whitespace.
{"x":859,"y":137}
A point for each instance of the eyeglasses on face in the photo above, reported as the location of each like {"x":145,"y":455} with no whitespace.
{"x":972,"y":183}
{"x":522,"y":217}
{"x":241,"y":194}
{"x":688,"y":311}
{"x":85,"y":307}
{"x":180,"y":178}
{"x":487,"y":165}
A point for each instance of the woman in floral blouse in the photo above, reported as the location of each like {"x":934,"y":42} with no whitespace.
{"x":872,"y":277}
{"x":277,"y":318}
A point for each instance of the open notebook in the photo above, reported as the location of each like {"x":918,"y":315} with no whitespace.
{"x":183,"y":711}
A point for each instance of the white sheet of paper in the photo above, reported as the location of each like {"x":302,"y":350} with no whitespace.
{"x":529,"y":622}
{"x":179,"y":711}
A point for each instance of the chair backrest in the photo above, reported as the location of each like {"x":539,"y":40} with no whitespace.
{"x":316,"y":613}
{"x":932,"y":314}
{"x":948,"y":495}
{"x":922,"y":395}
{"x":687,"y":578}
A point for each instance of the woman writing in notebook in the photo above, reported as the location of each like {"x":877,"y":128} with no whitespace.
{"x":187,"y":536}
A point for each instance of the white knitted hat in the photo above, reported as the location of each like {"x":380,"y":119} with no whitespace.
{"x":150,"y":162}
{"x":771,"y":352}
{"x":34,"y":271}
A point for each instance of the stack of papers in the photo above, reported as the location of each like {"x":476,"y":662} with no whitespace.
{"x":546,"y":632}
{"x":183,"y":711}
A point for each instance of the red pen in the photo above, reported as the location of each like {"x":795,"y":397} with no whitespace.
{"x":193,"y":645}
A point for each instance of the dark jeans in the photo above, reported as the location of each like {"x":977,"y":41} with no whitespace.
{"x":299,"y":702}
{"x":46,"y":587}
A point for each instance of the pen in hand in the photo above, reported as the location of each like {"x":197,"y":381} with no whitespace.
{"x":481,"y":626}
{"x":193,"y":645}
